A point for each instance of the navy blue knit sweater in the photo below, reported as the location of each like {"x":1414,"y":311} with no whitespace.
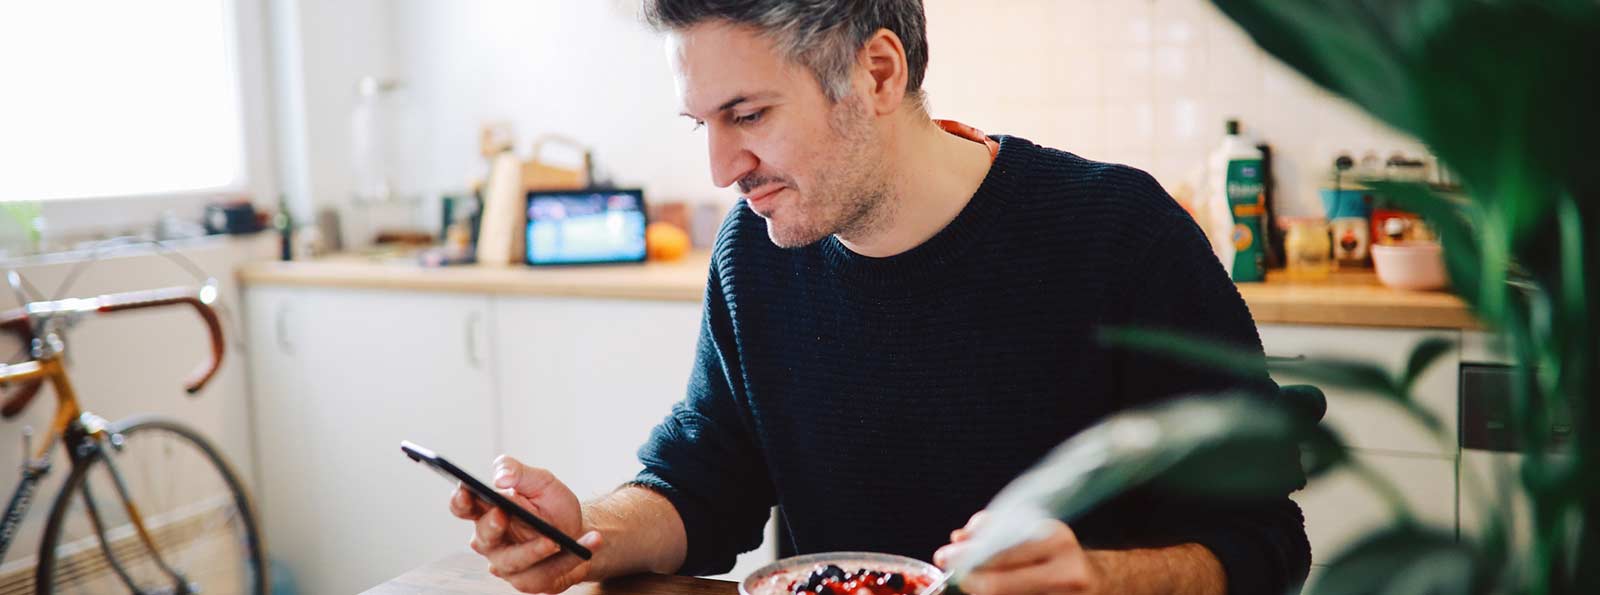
{"x":882,"y":401}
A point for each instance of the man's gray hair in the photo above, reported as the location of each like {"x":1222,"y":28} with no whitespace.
{"x":823,"y":35}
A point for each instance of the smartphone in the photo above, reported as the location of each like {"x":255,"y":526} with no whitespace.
{"x":491,"y":497}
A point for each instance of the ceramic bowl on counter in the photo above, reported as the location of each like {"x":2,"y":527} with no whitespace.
{"x":1416,"y":266}
{"x":890,"y":574}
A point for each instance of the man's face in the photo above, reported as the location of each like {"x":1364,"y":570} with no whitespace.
{"x":809,"y":166}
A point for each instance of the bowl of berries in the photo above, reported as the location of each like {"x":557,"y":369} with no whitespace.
{"x":842,"y":573}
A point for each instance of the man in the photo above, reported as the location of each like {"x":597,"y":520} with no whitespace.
{"x":900,"y":318}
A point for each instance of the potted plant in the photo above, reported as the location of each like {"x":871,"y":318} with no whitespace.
{"x":1507,"y":93}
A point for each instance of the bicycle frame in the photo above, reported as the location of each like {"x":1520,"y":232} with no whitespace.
{"x":34,"y":470}
{"x":81,"y":433}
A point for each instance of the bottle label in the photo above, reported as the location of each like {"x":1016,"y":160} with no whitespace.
{"x":1245,"y":201}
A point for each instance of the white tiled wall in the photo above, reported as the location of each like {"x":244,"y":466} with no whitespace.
{"x":1143,"y":82}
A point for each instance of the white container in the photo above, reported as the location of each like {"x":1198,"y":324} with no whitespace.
{"x":1417,"y":266}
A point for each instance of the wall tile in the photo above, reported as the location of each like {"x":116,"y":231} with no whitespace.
{"x":1143,"y":82}
{"x":1128,"y":73}
{"x":1078,"y":23}
{"x":1179,"y":21}
{"x":1078,"y":74}
{"x":1127,"y":23}
{"x":1179,"y":69}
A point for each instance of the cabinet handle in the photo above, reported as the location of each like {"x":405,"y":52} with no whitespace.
{"x":474,"y":320}
{"x":1282,"y":359}
{"x":281,"y":326}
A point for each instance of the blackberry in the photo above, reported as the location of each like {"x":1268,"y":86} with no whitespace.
{"x":893,"y":580}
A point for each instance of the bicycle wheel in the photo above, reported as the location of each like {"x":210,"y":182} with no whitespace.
{"x":193,"y":508}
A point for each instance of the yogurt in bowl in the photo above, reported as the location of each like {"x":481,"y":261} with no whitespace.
{"x":842,"y":573}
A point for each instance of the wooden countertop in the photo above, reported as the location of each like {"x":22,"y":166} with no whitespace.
{"x":684,"y":280}
{"x":1352,"y":298}
{"x":464,"y":574}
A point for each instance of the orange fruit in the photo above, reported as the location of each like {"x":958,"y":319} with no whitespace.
{"x":665,"y":241}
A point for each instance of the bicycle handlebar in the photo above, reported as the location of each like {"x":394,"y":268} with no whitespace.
{"x":201,"y":300}
{"x":19,"y":322}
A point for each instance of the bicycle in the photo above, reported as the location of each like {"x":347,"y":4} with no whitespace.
{"x":150,"y":506}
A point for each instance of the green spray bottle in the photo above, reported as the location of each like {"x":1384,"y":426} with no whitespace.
{"x":1243,"y":183}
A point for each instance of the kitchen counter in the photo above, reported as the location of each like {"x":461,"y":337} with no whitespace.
{"x":1352,"y":298}
{"x":683,"y":280}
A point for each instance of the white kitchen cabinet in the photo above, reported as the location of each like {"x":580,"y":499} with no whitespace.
{"x":340,"y":377}
{"x":583,"y":381}
{"x":1366,"y":421}
{"x":1340,"y":508}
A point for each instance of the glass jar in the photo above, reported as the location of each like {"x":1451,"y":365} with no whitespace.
{"x":1308,"y":249}
{"x":382,"y":138}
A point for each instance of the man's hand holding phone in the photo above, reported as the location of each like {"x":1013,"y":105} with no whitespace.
{"x":524,"y":558}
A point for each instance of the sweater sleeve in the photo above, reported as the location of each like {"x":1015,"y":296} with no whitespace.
{"x":1178,"y":285}
{"x":703,"y":457}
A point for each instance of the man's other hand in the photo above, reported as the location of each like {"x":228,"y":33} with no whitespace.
{"x":1052,"y":564}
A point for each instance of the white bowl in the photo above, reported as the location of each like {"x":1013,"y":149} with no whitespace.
{"x":1415,"y":266}
{"x":775,"y":578}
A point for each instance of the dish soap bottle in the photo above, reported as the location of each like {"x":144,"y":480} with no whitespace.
{"x":1238,"y":182}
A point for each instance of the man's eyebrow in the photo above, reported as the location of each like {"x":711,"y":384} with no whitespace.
{"x":732,"y":103}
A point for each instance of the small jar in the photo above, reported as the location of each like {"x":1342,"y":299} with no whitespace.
{"x":1307,"y":248}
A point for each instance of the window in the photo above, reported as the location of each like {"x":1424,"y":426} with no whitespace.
{"x":106,"y":98}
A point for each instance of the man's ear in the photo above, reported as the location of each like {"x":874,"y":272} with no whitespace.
{"x":883,"y":59}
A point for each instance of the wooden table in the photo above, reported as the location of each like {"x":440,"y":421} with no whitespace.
{"x":466,"y":573}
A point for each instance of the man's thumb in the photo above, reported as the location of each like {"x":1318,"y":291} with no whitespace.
{"x":524,"y":480}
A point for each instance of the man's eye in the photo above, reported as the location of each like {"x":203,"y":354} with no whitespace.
{"x":749,"y":118}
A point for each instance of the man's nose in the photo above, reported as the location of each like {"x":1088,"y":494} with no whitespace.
{"x":730,"y":160}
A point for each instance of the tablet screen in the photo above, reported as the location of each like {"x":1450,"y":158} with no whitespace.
{"x":588,"y":226}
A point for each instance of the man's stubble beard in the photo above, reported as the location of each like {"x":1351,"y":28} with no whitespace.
{"x":850,"y":197}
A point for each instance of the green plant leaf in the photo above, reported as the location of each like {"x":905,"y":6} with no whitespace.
{"x":1186,"y":348}
{"x":1135,"y":447}
{"x":1189,"y":349}
{"x":1321,"y":451}
{"x":1401,"y":560}
{"x":1364,"y":377}
{"x":1574,"y":285}
{"x":1338,"y":45}
{"x":1451,"y":220}
{"x":1422,"y":357}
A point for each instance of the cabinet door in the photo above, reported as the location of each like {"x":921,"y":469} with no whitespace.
{"x":584,"y":381}
{"x":1340,"y":508}
{"x":1366,"y":421}
{"x":341,"y":377}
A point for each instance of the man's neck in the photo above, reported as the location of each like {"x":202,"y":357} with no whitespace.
{"x":932,"y":176}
